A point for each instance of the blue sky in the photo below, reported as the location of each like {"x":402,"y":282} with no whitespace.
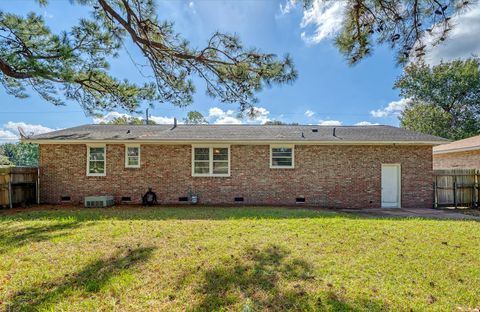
{"x":328,"y":90}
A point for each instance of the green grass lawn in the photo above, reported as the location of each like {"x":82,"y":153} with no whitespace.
{"x":248,"y":259}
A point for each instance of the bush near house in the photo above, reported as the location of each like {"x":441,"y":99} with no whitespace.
{"x":250,"y":259}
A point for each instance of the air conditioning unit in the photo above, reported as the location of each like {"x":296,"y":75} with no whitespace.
{"x":98,"y":201}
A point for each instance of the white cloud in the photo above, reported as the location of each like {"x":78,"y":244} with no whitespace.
{"x":217,"y":115}
{"x":28,"y":128}
{"x":10,"y":132}
{"x":287,"y":7}
{"x":261,"y":115}
{"x":228,"y":120}
{"x":6,"y":135}
{"x":366,"y":123}
{"x":330,"y":123}
{"x":161,"y":120}
{"x":309,"y":113}
{"x":112,"y":115}
{"x":393,"y":108}
{"x":109,"y":117}
{"x":462,"y":41}
{"x":327,"y":18}
{"x":218,"y":112}
{"x":191,"y":5}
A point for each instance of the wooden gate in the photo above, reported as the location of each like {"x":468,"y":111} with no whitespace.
{"x":18,"y":186}
{"x":456,"y":188}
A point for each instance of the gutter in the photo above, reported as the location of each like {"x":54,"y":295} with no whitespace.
{"x":457,"y":150}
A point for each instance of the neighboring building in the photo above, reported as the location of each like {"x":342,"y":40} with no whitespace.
{"x":462,"y":154}
{"x":344,"y":166}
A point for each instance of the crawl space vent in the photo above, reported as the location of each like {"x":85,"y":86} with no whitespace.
{"x":183,"y":199}
{"x":238,"y":199}
{"x":300,"y":200}
{"x":65,"y":198}
{"x":126,"y":198}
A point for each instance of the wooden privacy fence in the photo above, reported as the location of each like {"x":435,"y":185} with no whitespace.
{"x":18,"y":186}
{"x":456,"y":188}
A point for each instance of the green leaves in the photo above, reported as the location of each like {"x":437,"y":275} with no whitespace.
{"x":446,"y":98}
{"x":126,"y":120}
{"x":406,"y":26}
{"x":70,"y":66}
{"x":74,"y":65}
{"x":195,"y":118}
{"x":19,"y":154}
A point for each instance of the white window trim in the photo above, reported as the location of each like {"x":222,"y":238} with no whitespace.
{"x":210,"y":159}
{"x":104,"y":159}
{"x":126,"y":155}
{"x":292,"y":146}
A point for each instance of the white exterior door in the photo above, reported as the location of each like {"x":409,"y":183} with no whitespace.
{"x":391,"y":185}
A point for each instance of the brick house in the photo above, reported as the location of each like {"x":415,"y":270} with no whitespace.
{"x":342,"y":166}
{"x":462,"y":154}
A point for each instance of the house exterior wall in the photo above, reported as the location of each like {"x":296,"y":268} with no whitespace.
{"x":458,"y":160}
{"x":326,"y":175}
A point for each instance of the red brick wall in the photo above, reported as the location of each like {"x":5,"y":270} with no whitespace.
{"x":328,"y":176}
{"x":460,"y":160}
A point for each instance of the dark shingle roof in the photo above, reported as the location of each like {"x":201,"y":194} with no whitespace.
{"x":232,"y":133}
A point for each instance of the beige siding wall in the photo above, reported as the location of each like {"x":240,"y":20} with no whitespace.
{"x":460,"y":160}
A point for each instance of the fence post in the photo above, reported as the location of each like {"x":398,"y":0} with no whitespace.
{"x":455,"y":191}
{"x":37,"y":187}
{"x":10,"y":201}
{"x":475,"y":189}
{"x":435,"y":190}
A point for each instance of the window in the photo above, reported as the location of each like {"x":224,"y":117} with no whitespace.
{"x":132,"y":156}
{"x":282,"y":156}
{"x":211,"y":161}
{"x":96,"y":160}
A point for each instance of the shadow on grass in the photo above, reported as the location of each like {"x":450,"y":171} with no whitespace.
{"x":166,"y":213}
{"x":12,"y":237}
{"x":91,"y":279}
{"x":80,"y":214}
{"x":269,"y":279}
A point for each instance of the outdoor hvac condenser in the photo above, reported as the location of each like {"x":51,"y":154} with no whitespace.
{"x":98,"y":201}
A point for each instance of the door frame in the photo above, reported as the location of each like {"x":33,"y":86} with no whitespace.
{"x":399,"y":185}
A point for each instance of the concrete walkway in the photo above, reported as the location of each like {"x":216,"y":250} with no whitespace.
{"x":411,"y":213}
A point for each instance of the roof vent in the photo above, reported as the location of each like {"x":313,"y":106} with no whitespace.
{"x":314,"y":130}
{"x":174,"y":123}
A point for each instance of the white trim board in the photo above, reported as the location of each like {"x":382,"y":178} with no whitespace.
{"x":457,"y":150}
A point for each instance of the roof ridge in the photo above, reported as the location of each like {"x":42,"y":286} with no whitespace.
{"x":242,"y":125}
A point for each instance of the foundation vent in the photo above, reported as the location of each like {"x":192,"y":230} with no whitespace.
{"x":300,"y":200}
